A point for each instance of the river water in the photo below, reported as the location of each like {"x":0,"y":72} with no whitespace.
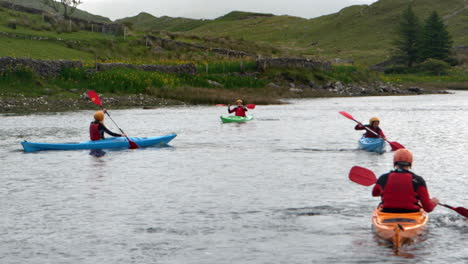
{"x":274,"y":190}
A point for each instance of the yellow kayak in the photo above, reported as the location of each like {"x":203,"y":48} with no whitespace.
{"x":399,"y":228}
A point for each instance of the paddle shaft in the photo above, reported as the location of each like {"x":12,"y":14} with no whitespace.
{"x":370,"y":130}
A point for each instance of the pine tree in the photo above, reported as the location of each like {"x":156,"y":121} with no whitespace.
{"x":436,"y":42}
{"x":407,"y":44}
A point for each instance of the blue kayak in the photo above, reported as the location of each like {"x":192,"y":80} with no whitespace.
{"x":108,"y":143}
{"x":372,"y":144}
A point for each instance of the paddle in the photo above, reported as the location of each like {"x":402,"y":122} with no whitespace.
{"x":250,"y":106}
{"x":461,"y":210}
{"x":94,"y":97}
{"x":394,"y":145}
{"x":366,"y":177}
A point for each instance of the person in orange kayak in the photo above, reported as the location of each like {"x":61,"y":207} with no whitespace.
{"x":401,"y":190}
{"x":374,"y":126}
{"x":239,"y":109}
{"x":97,"y":128}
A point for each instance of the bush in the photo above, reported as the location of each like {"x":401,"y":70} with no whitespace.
{"x":435,"y":67}
{"x":399,"y":70}
{"x":12,"y":23}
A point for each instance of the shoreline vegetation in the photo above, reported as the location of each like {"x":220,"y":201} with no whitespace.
{"x":23,"y":90}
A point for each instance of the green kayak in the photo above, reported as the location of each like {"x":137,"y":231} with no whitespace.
{"x":235,"y":119}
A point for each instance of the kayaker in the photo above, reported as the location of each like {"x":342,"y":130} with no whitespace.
{"x":374,"y":126}
{"x":97,"y":128}
{"x":239,"y":109}
{"x":401,"y":190}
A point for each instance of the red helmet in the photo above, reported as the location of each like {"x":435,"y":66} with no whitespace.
{"x":403,"y":157}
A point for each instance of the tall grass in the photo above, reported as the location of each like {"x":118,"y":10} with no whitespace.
{"x":136,"y":81}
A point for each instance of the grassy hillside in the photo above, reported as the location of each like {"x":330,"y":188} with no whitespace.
{"x":78,"y":13}
{"x":147,"y":22}
{"x":363,"y":32}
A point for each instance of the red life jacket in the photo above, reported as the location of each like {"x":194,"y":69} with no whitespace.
{"x":399,"y":192}
{"x":240,"y":111}
{"x":94,"y":131}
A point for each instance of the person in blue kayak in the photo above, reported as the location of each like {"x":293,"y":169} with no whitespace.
{"x":401,"y":190}
{"x":97,"y":128}
{"x":374,"y":126}
{"x":240,"y":109}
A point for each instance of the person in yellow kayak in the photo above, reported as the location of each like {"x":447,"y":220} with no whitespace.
{"x":401,"y":190}
{"x":374,"y":126}
{"x":240,"y":109}
{"x":97,"y":128}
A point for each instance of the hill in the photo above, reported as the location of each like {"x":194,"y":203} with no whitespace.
{"x":146,"y":22}
{"x":77,"y":14}
{"x":363,"y":32}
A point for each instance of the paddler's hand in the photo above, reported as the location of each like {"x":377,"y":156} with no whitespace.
{"x":124,"y":135}
{"x":229,"y":106}
{"x":104,"y":110}
{"x":435,"y":200}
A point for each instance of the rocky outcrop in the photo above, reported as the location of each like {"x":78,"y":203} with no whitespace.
{"x":44,"y":68}
{"x":263,"y":64}
{"x":188,"y":68}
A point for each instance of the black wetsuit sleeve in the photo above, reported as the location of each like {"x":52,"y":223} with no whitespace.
{"x":102,"y":128}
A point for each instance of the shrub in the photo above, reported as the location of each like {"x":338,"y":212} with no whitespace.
{"x":12,"y":23}
{"x":433,"y":66}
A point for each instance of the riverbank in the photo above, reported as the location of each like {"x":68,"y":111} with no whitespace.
{"x":74,"y":99}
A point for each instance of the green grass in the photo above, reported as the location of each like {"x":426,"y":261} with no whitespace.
{"x":36,"y":49}
{"x":454,"y":76}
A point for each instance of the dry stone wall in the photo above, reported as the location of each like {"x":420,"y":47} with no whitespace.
{"x":42,"y":67}
{"x":188,"y":68}
{"x":263,"y":64}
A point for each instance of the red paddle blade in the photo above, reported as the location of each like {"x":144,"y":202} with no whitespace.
{"x":347,"y":115}
{"x":133,"y":145}
{"x":250,"y":106}
{"x":462,"y":211}
{"x":94,"y":97}
{"x":396,"y":145}
{"x":362,"y":176}
{"x":220,"y":105}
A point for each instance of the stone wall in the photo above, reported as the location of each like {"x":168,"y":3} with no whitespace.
{"x":174,"y":44}
{"x":188,"y":68}
{"x":42,"y":67}
{"x":263,"y":64}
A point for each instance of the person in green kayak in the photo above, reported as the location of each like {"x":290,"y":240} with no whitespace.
{"x":401,"y":190}
{"x":240,"y":109}
{"x":372,"y":130}
{"x":97,"y":128}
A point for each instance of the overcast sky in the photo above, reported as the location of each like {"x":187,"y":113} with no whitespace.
{"x":115,"y":9}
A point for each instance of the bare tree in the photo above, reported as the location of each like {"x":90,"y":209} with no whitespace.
{"x":68,"y":6}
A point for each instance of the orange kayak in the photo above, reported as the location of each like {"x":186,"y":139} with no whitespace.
{"x":399,"y":228}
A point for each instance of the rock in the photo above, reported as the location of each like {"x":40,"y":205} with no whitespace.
{"x":273,"y":85}
{"x":215,"y":84}
{"x":338,"y":86}
{"x":292,"y":85}
{"x":416,"y":90}
{"x":296,"y":90}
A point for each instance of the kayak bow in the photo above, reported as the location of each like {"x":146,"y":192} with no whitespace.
{"x":372,"y":144}
{"x":235,"y":119}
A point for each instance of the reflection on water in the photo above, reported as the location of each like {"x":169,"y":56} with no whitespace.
{"x":274,"y":190}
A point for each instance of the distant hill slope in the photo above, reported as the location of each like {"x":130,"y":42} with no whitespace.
{"x":361,"y":32}
{"x":147,"y":22}
{"x":78,"y":13}
{"x":355,"y":32}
